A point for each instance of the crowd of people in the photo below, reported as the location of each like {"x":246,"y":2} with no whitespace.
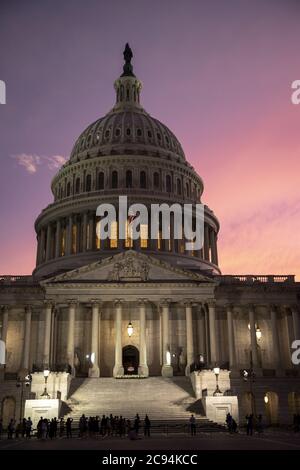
{"x":93,"y":426}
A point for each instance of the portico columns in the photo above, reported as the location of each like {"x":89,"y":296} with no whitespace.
{"x":143,"y":367}
{"x":167,"y":369}
{"x":94,"y":371}
{"x":26,"y":350}
{"x":212,"y":332}
{"x":189,"y":337}
{"x":118,"y":367}
{"x":71,"y":332}
{"x":47,"y":334}
{"x":275,"y":339}
{"x":230,"y":337}
{"x":253,"y":337}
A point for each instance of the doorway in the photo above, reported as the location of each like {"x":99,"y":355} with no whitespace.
{"x":131,"y":359}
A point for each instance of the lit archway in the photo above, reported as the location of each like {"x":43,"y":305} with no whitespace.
{"x":131,"y":359}
{"x":271,"y":407}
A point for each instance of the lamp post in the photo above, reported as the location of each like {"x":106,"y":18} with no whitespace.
{"x":20,"y":384}
{"x":248,"y":375}
{"x":45,"y":392}
{"x":217,"y":372}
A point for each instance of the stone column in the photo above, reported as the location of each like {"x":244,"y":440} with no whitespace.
{"x":253,"y":337}
{"x":118,"y":367}
{"x":167,"y":369}
{"x":48,"y":245}
{"x":296,"y":322}
{"x":69,"y":235}
{"x":94,"y":371}
{"x":212,"y":332}
{"x":206,"y":242}
{"x":143,"y":367}
{"x":213,"y":245}
{"x":4,"y":323}
{"x":230,"y":337}
{"x":275,"y":339}
{"x":71,"y":334}
{"x":84,"y":232}
{"x":190,"y":356}
{"x":26,"y":350}
{"x":42,"y":247}
{"x":58,"y":239}
{"x":47,"y":334}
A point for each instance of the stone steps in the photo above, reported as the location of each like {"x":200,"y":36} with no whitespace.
{"x":163,"y":399}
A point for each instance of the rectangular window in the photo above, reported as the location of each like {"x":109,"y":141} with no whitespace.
{"x":63,"y":242}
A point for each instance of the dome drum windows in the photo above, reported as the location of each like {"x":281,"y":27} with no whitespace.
{"x":77,"y":186}
{"x":114,"y":180}
{"x":128,"y":179}
{"x":100,"y":180}
{"x":143,"y":180}
{"x":88,"y":183}
{"x":156,"y":180}
{"x":168,"y":184}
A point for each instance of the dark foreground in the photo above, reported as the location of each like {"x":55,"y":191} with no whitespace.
{"x":269,"y":440}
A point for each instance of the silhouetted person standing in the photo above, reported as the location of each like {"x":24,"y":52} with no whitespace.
{"x":147,"y":425}
{"x":193,"y":425}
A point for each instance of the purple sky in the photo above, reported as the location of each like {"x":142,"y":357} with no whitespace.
{"x":217,"y":73}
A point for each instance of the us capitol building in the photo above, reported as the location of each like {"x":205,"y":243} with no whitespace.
{"x":99,"y":312}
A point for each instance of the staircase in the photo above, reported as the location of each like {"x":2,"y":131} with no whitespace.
{"x":167,"y":401}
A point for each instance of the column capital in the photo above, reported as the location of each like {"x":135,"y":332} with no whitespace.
{"x":48,"y":304}
{"x":5,"y":308}
{"x":143,"y":301}
{"x":229,"y":306}
{"x":188,"y":302}
{"x":119,"y":302}
{"x":28,"y":309}
{"x":165,"y":302}
{"x":211,"y":303}
{"x":96,"y":303}
{"x":72,"y":302}
{"x":251,"y":307}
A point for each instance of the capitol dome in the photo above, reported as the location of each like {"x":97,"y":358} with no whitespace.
{"x":126,"y":152}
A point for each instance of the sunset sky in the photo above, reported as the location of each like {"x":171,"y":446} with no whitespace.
{"x":217,"y":73}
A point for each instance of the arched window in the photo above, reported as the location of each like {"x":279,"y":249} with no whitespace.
{"x":187,"y":188}
{"x":143,"y":179}
{"x":88,"y":184}
{"x":128,"y":179}
{"x":77,"y":185}
{"x":101,"y":180}
{"x":114,"y":179}
{"x":156,"y":180}
{"x":168,"y":183}
{"x":68,"y":188}
{"x":179,"y":187}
